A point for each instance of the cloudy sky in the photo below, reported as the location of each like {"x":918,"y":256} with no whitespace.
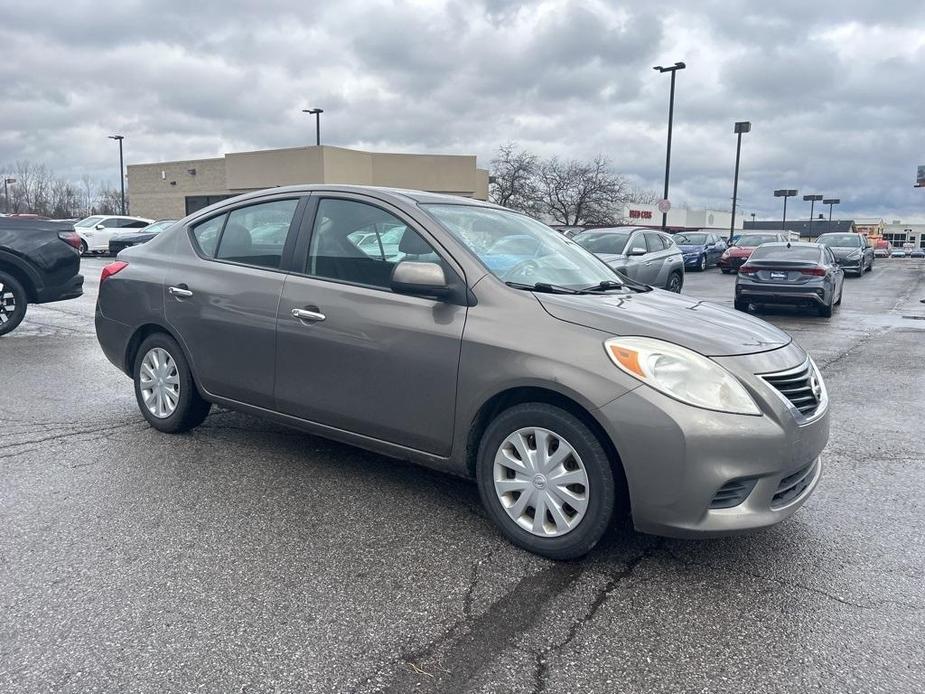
{"x":833,"y":88}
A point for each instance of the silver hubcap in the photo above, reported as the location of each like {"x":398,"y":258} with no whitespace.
{"x":541,"y":482}
{"x":160,"y":383}
{"x":7,"y":303}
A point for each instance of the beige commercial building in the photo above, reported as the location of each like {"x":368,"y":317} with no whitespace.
{"x":171,"y":190}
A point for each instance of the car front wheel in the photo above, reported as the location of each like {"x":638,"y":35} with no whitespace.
{"x":164,"y":386}
{"x":13,"y":303}
{"x":546,"y":480}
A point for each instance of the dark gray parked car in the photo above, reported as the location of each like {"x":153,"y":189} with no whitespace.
{"x":804,"y":274}
{"x":567,"y":393}
{"x":853,"y":252}
{"x":644,"y":255}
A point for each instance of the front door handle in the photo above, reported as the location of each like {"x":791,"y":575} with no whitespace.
{"x":305,"y":314}
{"x":181,"y":290}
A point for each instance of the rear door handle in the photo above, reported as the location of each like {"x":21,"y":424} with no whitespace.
{"x":180,"y":290}
{"x":305,"y":314}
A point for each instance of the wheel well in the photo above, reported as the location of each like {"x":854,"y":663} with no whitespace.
{"x":20,"y":277}
{"x":131,"y":350}
{"x":518,"y":396}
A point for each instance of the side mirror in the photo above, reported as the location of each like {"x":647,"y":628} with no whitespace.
{"x":98,"y":227}
{"x":420,"y":279}
{"x":637,"y":251}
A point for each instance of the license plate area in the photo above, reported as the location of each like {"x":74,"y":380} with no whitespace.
{"x":776,"y":275}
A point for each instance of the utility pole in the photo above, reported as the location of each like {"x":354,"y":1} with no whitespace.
{"x":740,"y":127}
{"x":673,"y":69}
{"x":121,"y":170}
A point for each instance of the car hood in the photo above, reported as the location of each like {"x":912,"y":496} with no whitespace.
{"x":710,"y":329}
{"x":739,"y":251}
{"x":691,"y":248}
{"x":842,"y":251}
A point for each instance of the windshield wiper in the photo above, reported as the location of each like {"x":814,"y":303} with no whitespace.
{"x":603,"y":286}
{"x":545,"y":287}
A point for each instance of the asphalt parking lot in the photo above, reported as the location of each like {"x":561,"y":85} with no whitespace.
{"x":244,"y":557}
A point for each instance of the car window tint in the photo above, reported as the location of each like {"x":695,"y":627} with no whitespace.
{"x":808,"y":253}
{"x":638,"y":241}
{"x":255,"y":235}
{"x":361,"y":244}
{"x":134,"y":224}
{"x":111,"y":222}
{"x":603,"y":242}
{"x":206,"y":234}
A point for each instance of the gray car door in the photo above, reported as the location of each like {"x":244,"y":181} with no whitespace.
{"x":654,"y":261}
{"x":356,"y":356}
{"x":222,"y":291}
{"x":636,"y":264}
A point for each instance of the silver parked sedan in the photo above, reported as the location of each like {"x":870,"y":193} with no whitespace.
{"x":483,"y":344}
{"x":645,"y":255}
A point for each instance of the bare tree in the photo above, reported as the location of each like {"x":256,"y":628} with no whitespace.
{"x":87,"y":196}
{"x":513,"y":181}
{"x":578,"y":193}
{"x":642,"y":196}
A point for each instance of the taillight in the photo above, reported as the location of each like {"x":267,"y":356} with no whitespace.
{"x":747,"y":270}
{"x":815,"y":271}
{"x":112,"y":269}
{"x":70,"y":238}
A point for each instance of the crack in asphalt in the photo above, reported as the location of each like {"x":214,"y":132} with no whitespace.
{"x":542,"y":657}
{"x":81,"y":434}
{"x":470,"y":650}
{"x":688,"y":563}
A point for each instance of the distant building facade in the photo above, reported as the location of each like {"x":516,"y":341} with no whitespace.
{"x":904,"y":235}
{"x":807,"y":231}
{"x":679,"y":218}
{"x":171,"y":190}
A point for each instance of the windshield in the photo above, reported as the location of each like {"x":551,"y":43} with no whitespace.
{"x":89,"y":222}
{"x":784,"y":253}
{"x":690,"y":239}
{"x":603,"y":242}
{"x":755,"y":240}
{"x":840,"y":240}
{"x":518,"y":249}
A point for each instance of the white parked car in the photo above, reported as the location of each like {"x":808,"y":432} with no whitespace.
{"x":96,"y":231}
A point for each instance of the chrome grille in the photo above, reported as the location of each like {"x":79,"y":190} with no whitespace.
{"x":793,"y":485}
{"x":732,"y":493}
{"x":801,"y":387}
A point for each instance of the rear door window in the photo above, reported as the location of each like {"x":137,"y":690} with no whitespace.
{"x":256,"y":234}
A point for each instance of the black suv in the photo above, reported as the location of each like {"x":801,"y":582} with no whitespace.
{"x":39,"y":263}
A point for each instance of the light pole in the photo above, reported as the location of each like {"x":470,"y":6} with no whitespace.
{"x":830,"y":202}
{"x":121,"y":169}
{"x":740,"y":127}
{"x":753,"y":217}
{"x":7,"y":182}
{"x":812,"y":201}
{"x":317,"y":113}
{"x":785,"y":193}
{"x":672,"y":69}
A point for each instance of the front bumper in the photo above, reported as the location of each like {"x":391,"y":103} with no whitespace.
{"x":677,"y":457}
{"x":732,"y":262}
{"x":692,"y":261}
{"x":851,"y":265}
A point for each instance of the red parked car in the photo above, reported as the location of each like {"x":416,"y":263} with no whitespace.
{"x":742,"y":246}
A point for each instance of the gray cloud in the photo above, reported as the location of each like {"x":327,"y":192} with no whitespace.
{"x":831,"y":86}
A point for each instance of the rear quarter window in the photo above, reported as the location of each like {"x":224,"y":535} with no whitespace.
{"x":205,"y":235}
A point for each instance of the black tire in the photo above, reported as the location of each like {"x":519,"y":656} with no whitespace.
{"x":601,"y":495}
{"x":702,"y":265}
{"x":726,"y":271}
{"x":191,"y":408}
{"x":675,"y":282}
{"x":84,"y":249}
{"x":870,"y":266}
{"x":741,"y":305}
{"x":825,"y":310}
{"x":13,"y":303}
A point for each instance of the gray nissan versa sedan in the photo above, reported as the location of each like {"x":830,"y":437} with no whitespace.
{"x":481,"y":343}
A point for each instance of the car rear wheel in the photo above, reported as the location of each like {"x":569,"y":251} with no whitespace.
{"x":13,"y":303}
{"x":545,"y":480}
{"x":675,"y":282}
{"x":164,"y":386}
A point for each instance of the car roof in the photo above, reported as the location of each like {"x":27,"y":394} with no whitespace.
{"x":417,"y":196}
{"x":792,"y":244}
{"x":626,"y":229}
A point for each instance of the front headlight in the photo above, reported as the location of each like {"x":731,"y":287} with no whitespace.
{"x":681,"y":373}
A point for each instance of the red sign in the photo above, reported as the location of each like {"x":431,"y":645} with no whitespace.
{"x":640,"y":214}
